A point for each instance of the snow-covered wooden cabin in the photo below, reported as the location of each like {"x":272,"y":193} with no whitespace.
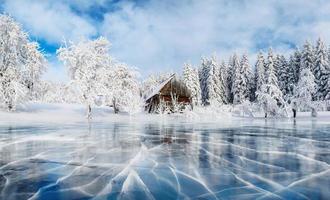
{"x":169,"y":92}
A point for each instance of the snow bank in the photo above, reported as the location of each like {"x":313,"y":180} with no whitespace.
{"x":41,"y":113}
{"x":51,"y":113}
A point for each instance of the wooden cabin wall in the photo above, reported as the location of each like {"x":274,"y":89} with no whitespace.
{"x":173,"y":87}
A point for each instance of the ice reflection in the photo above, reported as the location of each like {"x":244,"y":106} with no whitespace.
{"x":173,"y":160}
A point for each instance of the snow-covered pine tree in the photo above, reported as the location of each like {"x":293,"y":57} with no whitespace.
{"x":241,"y":87}
{"x":86,"y":61}
{"x":283,"y":74}
{"x":249,"y":75}
{"x":327,"y":90}
{"x":259,"y":72}
{"x":270,"y":73}
{"x":21,"y":64}
{"x":291,"y":78}
{"x":277,"y":64}
{"x":307,"y":57}
{"x":321,"y":70}
{"x":213,"y":89}
{"x":203,"y":73}
{"x":234,"y":63}
{"x":328,"y":52}
{"x":224,"y":80}
{"x":295,"y":63}
{"x":269,"y":96}
{"x":211,"y":86}
{"x":219,"y":93}
{"x":229,"y":73}
{"x":191,"y":80}
{"x":197,"y":87}
{"x":305,"y":89}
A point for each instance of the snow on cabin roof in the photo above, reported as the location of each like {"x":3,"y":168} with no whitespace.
{"x":157,"y":89}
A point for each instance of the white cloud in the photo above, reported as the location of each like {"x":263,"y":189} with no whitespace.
{"x":160,"y":35}
{"x":50,"y":20}
{"x":164,"y":34}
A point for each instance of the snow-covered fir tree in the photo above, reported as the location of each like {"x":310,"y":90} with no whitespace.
{"x":283,"y":75}
{"x":305,"y":89}
{"x":224,"y":80}
{"x":277,"y":60}
{"x":270,"y":73}
{"x":21,"y":64}
{"x":203,"y":74}
{"x":249,"y":75}
{"x":295,"y":63}
{"x":212,"y":87}
{"x":321,"y":70}
{"x":270,"y":97}
{"x":259,"y":75}
{"x":327,"y":91}
{"x":85,"y":61}
{"x":234,"y":63}
{"x":242,"y":83}
{"x":307,"y":57}
{"x":292,"y":78}
{"x":191,"y":80}
{"x":329,"y":52}
{"x":219,"y":95}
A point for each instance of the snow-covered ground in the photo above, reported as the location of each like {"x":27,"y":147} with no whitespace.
{"x":73,"y":113}
{"x":52,"y":112}
{"x":32,"y":113}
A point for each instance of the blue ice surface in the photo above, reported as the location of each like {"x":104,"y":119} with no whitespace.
{"x":270,"y":159}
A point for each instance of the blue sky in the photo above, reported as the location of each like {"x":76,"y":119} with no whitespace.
{"x":160,"y":35}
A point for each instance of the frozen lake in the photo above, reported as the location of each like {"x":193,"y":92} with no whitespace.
{"x":170,"y":159}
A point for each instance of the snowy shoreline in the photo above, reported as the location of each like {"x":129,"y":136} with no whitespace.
{"x":76,"y":113}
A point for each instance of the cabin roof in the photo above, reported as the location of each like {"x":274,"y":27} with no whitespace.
{"x":157,"y":89}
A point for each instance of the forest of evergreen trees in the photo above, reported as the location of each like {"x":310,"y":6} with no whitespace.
{"x":274,"y":81}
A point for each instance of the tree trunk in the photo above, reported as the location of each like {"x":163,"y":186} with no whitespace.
{"x":10,"y":106}
{"x":89,"y":112}
{"x":314,"y":112}
{"x":115,"y":109}
{"x":294,"y":113}
{"x":265,"y":108}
